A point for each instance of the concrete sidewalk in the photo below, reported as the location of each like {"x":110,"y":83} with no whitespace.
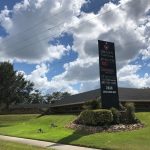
{"x":44,"y":144}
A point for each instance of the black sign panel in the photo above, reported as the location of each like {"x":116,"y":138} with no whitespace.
{"x":108,"y":77}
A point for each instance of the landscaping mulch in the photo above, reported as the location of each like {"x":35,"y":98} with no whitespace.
{"x":111,"y":128}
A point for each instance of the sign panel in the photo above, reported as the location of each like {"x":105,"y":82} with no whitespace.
{"x":108,"y":77}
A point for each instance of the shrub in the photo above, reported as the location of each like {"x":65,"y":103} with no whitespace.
{"x":127,"y":116}
{"x":93,"y":104}
{"x":130,"y":113}
{"x":86,"y":117}
{"x":121,"y":107}
{"x":103,"y":116}
{"x":123,"y":116}
{"x":116,"y":115}
{"x":95,"y":117}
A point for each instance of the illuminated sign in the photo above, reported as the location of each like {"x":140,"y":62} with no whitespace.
{"x":108,"y":77}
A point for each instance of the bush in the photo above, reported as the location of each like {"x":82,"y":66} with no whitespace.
{"x":127,"y":115}
{"x":86,"y":117}
{"x":95,"y":117}
{"x":123,"y":117}
{"x":130,"y":113}
{"x":121,"y":107}
{"x":93,"y":104}
{"x":106,"y":117}
{"x":116,"y":116}
{"x":103,"y":116}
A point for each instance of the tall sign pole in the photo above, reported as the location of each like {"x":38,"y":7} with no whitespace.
{"x":108,"y":76}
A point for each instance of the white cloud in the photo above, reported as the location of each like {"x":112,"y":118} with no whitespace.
{"x":128,"y":77}
{"x":27,"y":29}
{"x":41,"y":82}
{"x":121,"y":29}
{"x":135,"y":9}
{"x":128,"y":70}
{"x":90,"y":85}
{"x":145,"y":53}
{"x":55,"y":52}
{"x":126,"y":25}
{"x":81,"y":70}
{"x":148,"y":65}
{"x":5,"y":20}
{"x":119,"y":26}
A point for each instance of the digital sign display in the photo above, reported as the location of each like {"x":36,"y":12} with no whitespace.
{"x":108,"y":77}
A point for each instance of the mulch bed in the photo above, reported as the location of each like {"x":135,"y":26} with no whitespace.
{"x":111,"y":128}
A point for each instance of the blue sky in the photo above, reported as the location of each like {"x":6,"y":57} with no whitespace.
{"x":54,"y":43}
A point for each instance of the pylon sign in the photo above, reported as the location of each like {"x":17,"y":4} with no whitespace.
{"x":108,"y":76}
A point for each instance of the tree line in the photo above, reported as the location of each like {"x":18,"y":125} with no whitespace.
{"x":14,"y":89}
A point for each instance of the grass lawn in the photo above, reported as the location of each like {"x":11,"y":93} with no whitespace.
{"x":27,"y":126}
{"x":17,"y":146}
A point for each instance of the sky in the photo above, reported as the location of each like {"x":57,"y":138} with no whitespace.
{"x":54,"y":44}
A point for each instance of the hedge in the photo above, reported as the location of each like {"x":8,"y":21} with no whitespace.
{"x":95,"y":117}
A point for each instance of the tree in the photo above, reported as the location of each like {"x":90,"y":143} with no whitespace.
{"x":65,"y":94}
{"x":48,"y":98}
{"x":36,"y":98}
{"x":92,"y":104}
{"x":56,"y":96}
{"x":14,"y":88}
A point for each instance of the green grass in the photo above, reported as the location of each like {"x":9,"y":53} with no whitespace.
{"x":5,"y":145}
{"x":27,"y":126}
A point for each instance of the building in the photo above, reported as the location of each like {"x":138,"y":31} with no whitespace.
{"x":74,"y":103}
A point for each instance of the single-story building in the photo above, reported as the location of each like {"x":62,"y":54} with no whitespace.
{"x":74,"y":103}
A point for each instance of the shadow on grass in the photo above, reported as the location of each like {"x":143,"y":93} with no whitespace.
{"x":60,"y":114}
{"x":39,"y":116}
{"x":4,"y":125}
{"x":69,"y":139}
{"x":73,"y":137}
